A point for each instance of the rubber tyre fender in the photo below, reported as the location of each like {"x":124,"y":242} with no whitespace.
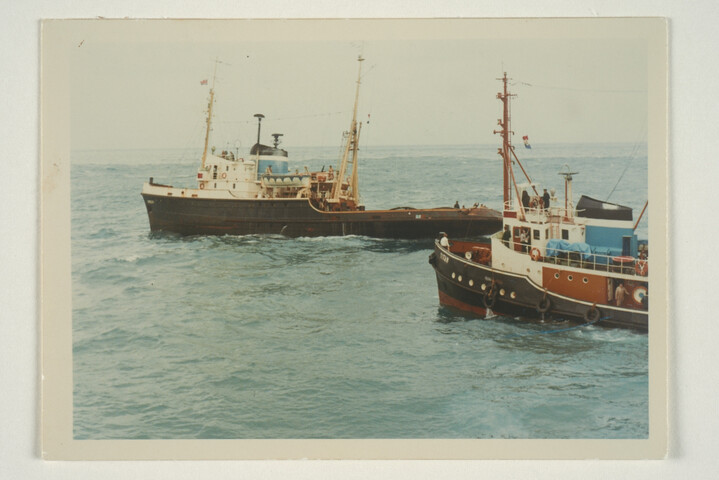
{"x":544,"y":305}
{"x":489,"y":298}
{"x":592,"y":315}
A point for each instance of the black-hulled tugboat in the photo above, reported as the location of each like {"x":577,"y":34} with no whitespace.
{"x":258,"y":195}
{"x":579,"y":263}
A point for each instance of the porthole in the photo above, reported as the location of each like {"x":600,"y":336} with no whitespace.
{"x":513,"y":295}
{"x":502,"y":291}
{"x":585,"y":280}
{"x":453,"y":275}
{"x":471,"y":282}
{"x":484,"y":286}
{"x":570,"y":278}
{"x":459,"y":278}
{"x":556,"y":275}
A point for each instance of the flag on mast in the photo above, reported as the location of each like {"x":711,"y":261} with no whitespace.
{"x":203,"y":82}
{"x":526,"y":141}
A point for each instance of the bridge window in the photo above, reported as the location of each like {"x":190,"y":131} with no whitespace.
{"x":565,"y":234}
{"x":536,"y":234}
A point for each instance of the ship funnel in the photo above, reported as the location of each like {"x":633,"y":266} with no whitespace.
{"x":259,"y":118}
{"x":277,"y":138}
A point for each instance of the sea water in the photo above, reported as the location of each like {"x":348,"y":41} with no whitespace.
{"x":240,"y":337}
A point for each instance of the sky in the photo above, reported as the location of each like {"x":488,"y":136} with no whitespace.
{"x":138,"y":84}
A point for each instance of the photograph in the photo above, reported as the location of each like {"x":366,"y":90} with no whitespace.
{"x":354,"y":239}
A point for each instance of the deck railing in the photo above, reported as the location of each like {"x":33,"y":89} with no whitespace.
{"x":607,"y":263}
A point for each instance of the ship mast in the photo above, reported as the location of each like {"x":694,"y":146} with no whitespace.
{"x":568,"y":202}
{"x":209,"y":115}
{"x":506,"y":151}
{"x":352,"y":146}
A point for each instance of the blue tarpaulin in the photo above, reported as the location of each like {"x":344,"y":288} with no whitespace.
{"x":555,"y":246}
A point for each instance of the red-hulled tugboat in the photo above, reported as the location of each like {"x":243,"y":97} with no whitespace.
{"x":258,"y":195}
{"x":580,"y":263}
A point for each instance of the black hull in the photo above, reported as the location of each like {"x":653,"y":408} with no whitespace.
{"x":528,"y":299}
{"x":297,"y":218}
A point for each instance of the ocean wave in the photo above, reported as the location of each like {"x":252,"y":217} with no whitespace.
{"x":263,"y":336}
{"x":105,"y":232}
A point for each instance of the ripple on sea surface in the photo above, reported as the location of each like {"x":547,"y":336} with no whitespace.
{"x":269,"y":337}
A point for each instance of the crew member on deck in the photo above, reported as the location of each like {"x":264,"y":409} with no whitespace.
{"x":545,"y":199}
{"x":444,"y":241}
{"x":456,"y":204}
{"x":619,"y":294}
{"x":525,"y":199}
{"x":524,"y":240}
{"x":506,"y":236}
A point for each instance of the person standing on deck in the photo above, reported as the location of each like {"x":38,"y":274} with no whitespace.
{"x":444,"y":241}
{"x":619,"y":294}
{"x":524,"y":240}
{"x":545,"y":199}
{"x":525,"y":199}
{"x":506,"y":236}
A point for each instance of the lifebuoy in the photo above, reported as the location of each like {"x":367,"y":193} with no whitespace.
{"x":489,"y":297}
{"x":642,"y":268}
{"x":202,"y":185}
{"x":592,"y":314}
{"x":468,"y":255}
{"x":224,"y":175}
{"x":543,"y":305}
{"x":535,"y":254}
{"x":639,"y":293}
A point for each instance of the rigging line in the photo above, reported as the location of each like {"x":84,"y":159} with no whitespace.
{"x":631,"y":157}
{"x":596,"y":90}
{"x":543,"y":332}
{"x":367,"y":71}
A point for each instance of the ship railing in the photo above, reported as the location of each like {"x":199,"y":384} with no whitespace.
{"x":606,"y":263}
{"x":541,"y":214}
{"x":626,"y":265}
